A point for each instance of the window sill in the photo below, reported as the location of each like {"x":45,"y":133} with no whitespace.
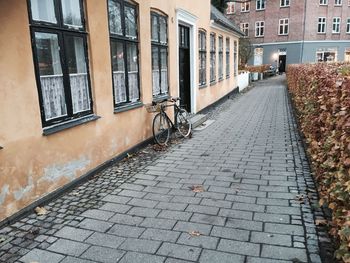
{"x":160,"y":98}
{"x":68,"y":124}
{"x":202,"y":86}
{"x":212,"y":83}
{"x":221,"y":79}
{"x":129,"y":106}
{"x":227,"y":77}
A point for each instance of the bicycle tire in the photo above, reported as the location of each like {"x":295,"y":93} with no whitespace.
{"x":161,"y":129}
{"x":184,"y":125}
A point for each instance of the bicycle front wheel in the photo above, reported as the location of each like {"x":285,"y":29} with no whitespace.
{"x":184,"y":124}
{"x":161,"y":129}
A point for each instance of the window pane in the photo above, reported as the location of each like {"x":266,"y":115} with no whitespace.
{"x":154,"y":21}
{"x":164,"y":70}
{"x":133,"y":72}
{"x":43,"y":10}
{"x":130,"y":22}
{"x":155,"y":71}
{"x":118,"y":72}
{"x":51,"y":78}
{"x":163,"y":30}
{"x":71,"y":13}
{"x":78,"y":75}
{"x":115,"y":24}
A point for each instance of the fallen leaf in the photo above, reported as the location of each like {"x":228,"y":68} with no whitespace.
{"x":40,"y":211}
{"x":197,"y":188}
{"x":194,"y":233}
{"x":321,"y":222}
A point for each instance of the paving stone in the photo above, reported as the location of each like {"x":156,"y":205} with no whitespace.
{"x":134,"y":257}
{"x":244,"y":224}
{"x":284,"y":229}
{"x":126,"y":219}
{"x":236,"y":214}
{"x":140,"y":245}
{"x":98,"y":214}
{"x":68,"y":247}
{"x":95,"y":225}
{"x":208,"y":219}
{"x":286,"y":253}
{"x":142,"y":203}
{"x":158,"y":223}
{"x":230,"y":233}
{"x":189,"y":227}
{"x":101,"y":239}
{"x":272,"y":239}
{"x":103,"y":254}
{"x":76,"y":260}
{"x":265,"y":260}
{"x":38,"y":255}
{"x":179,"y":251}
{"x":212,"y":256}
{"x":126,"y":231}
{"x":117,"y":208}
{"x":177,"y":215}
{"x":160,"y":235}
{"x":209,"y":210}
{"x":131,"y":193}
{"x":171,"y":206}
{"x":248,"y":207}
{"x":238,"y":247}
{"x":265,"y":217}
{"x":198,"y":241}
{"x":73,"y":233}
{"x":144,"y":212}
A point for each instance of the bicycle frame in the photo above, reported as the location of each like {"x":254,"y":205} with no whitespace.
{"x":176,"y":110}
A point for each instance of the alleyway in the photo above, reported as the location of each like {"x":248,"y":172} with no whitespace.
{"x":253,"y":171}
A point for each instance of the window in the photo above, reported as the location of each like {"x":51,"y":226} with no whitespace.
{"x":337,"y":2}
{"x":260,"y":4}
{"x":227,"y":57}
{"x":284,"y":3}
{"x":259,"y":28}
{"x":348,"y":26}
{"x":124,"y":51}
{"x":283,"y":26}
{"x":336,"y":25}
{"x":348,"y":2}
{"x":212,"y":57}
{"x":235,"y":57}
{"x":323,"y":2}
{"x":321,"y":28}
{"x":231,"y":8}
{"x":245,"y":28}
{"x":245,"y":7}
{"x":60,"y":59}
{"x":202,"y":38}
{"x":329,"y":55}
{"x":221,"y":58}
{"x":159,"y":54}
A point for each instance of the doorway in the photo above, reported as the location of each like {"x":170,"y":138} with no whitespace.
{"x":282,"y":63}
{"x":184,"y":67}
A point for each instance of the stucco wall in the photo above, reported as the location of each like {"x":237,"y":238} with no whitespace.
{"x":33,"y":165}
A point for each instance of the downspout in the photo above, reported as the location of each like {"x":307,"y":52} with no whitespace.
{"x":303,"y":41}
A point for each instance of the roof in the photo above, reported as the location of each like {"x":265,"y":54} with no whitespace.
{"x":222,"y":20}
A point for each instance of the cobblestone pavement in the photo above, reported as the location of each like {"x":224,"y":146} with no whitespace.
{"x":238,"y":191}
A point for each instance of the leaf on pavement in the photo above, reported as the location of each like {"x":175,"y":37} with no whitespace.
{"x":40,"y":211}
{"x":197,"y":188}
{"x":194,"y":233}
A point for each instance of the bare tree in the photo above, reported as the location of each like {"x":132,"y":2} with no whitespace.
{"x":245,"y":50}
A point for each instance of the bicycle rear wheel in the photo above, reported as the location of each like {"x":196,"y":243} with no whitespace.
{"x":184,"y":124}
{"x":161,"y":129}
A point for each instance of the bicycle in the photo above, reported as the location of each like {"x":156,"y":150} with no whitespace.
{"x":162,"y":125}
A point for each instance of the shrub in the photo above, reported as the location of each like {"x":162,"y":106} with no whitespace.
{"x":321,"y":95}
{"x":259,"y":69}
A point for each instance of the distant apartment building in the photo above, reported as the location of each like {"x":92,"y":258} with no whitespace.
{"x":294,"y":31}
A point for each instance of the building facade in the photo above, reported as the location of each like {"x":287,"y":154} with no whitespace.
{"x":295,"y":31}
{"x":75,"y":77}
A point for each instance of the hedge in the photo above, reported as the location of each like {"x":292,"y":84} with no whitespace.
{"x":321,"y":96}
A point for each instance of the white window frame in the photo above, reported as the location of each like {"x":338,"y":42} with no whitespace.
{"x":245,"y":7}
{"x":284,"y":25}
{"x":348,"y":25}
{"x":245,"y":28}
{"x":338,"y":2}
{"x":259,"y":26}
{"x":284,"y":3}
{"x":336,"y":25}
{"x":260,"y":5}
{"x":323,"y":2}
{"x":231,"y":8}
{"x":323,"y":24}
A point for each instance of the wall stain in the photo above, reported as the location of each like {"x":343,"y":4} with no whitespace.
{"x":68,"y":170}
{"x":4,"y":192}
{"x":23,"y":191}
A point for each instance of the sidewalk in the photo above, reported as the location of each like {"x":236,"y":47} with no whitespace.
{"x":252,"y":202}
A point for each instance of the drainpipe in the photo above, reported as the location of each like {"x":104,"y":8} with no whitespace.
{"x":303,"y":40}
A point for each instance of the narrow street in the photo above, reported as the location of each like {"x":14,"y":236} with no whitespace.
{"x":236,"y":192}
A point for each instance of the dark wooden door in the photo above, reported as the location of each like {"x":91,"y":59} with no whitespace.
{"x":184,"y":67}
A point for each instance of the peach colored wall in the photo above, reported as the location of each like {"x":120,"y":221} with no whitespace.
{"x":33,"y":165}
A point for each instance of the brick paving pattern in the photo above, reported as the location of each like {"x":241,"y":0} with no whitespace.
{"x":256,"y":205}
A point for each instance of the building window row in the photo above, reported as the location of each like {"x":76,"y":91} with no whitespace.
{"x":336,"y":2}
{"x":336,"y":22}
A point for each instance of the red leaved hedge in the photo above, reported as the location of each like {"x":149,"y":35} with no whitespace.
{"x":321,"y":95}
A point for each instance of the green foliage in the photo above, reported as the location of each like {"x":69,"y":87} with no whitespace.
{"x":321,"y":95}
{"x":219,"y":4}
